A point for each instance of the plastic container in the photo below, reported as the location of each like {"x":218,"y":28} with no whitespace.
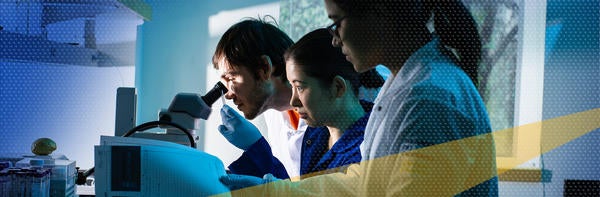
{"x":62,"y":173}
{"x":39,"y":178}
{"x":13,"y":189}
{"x":23,"y":184}
{"x":62,"y":180}
{"x":40,"y":182}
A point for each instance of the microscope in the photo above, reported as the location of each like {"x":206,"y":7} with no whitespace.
{"x":181,"y":122}
{"x":182,"y":119}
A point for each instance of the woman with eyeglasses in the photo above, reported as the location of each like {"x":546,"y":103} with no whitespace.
{"x":429,"y":133}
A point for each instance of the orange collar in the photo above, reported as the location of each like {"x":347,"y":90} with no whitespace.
{"x":294,"y":118}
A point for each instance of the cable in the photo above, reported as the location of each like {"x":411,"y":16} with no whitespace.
{"x":154,"y":124}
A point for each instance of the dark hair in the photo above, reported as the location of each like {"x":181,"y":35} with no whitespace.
{"x":453,"y":23}
{"x":321,"y":60}
{"x":244,"y":43}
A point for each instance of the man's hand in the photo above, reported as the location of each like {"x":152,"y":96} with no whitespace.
{"x":237,"y":130}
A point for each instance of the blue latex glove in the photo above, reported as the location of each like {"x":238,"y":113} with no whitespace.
{"x":238,"y":181}
{"x":237,"y":130}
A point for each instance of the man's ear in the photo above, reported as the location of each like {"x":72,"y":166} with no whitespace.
{"x":338,"y":86}
{"x":266,"y":70}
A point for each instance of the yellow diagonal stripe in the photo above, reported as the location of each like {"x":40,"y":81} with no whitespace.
{"x":551,"y":134}
{"x":441,"y":170}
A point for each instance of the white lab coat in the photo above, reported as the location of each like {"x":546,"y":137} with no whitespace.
{"x":429,"y":102}
{"x":285,"y":142}
{"x":426,"y":76}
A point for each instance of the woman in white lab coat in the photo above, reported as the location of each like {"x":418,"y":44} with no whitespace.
{"x":429,"y":133}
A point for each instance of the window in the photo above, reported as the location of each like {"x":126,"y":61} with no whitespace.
{"x":512,"y":72}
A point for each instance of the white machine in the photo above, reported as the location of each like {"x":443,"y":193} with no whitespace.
{"x":145,"y":167}
{"x":133,"y":166}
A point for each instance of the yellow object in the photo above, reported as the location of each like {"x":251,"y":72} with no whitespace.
{"x":43,"y":146}
{"x":425,"y":171}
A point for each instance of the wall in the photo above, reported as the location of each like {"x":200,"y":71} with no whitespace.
{"x":571,"y":85}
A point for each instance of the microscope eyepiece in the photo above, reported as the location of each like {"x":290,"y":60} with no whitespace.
{"x":214,"y":94}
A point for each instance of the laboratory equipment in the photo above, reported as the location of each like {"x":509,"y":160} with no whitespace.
{"x":27,"y":181}
{"x":125,"y":110}
{"x":183,"y":114}
{"x":185,"y":110}
{"x":62,"y":172}
{"x":146,"y":167}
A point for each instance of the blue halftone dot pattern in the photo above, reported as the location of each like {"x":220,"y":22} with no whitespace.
{"x":57,"y":74}
{"x":73,"y":105}
{"x":24,"y":97}
{"x":571,"y":85}
{"x":32,"y":99}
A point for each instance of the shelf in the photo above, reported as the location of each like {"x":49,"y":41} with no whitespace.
{"x":84,"y":32}
{"x":526,"y":175}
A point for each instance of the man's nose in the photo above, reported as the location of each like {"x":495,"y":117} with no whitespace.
{"x":229,"y":95}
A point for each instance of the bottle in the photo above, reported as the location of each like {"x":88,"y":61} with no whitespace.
{"x":40,"y":183}
{"x":23,"y":186}
{"x":13,"y":182}
{"x":39,"y":178}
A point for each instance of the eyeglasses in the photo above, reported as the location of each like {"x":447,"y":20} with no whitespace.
{"x":333,"y":28}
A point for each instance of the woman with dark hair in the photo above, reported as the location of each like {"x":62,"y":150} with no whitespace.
{"x":430,"y":99}
{"x":429,"y":133}
{"x":325,"y":94}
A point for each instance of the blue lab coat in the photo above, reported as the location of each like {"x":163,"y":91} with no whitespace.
{"x":258,"y":159}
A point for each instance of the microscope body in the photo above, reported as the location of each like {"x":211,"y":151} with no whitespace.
{"x":186,"y":110}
